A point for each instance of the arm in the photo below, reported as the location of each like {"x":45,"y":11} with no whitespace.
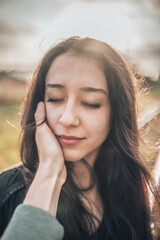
{"x":45,"y":189}
{"x":51,"y":173}
{"x":35,"y":219}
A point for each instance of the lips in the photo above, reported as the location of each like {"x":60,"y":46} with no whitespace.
{"x":70,"y":137}
{"x":69,"y":140}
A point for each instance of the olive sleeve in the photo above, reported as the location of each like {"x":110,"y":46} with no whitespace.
{"x":29,"y":222}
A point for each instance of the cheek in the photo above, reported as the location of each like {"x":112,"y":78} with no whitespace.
{"x":102,"y":128}
{"x":101,"y":124}
{"x":51,"y":116}
{"x":101,"y":120}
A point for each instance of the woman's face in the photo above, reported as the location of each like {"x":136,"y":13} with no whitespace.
{"x":77,"y":106}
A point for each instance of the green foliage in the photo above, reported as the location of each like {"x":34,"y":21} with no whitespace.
{"x":9,"y":134}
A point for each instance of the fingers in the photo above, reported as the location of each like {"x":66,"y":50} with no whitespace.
{"x":40,"y":113}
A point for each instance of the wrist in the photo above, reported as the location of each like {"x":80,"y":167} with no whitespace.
{"x":45,"y":189}
{"x":49,"y":168}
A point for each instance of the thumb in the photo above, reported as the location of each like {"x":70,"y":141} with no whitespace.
{"x":40,"y":113}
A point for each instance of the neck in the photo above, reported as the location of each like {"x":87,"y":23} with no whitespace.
{"x":83,"y":174}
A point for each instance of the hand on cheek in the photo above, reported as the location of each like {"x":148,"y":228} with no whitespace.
{"x":51,"y":173}
{"x":49,"y":149}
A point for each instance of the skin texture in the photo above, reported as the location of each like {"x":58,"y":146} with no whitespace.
{"x":71,"y":115}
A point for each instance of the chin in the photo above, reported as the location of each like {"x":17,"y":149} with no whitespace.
{"x":71,"y":157}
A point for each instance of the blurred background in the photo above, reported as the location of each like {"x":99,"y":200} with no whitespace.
{"x":29,"y":28}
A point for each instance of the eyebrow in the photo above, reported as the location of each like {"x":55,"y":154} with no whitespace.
{"x":84,"y":89}
{"x":91,"y":89}
{"x":52,"y":85}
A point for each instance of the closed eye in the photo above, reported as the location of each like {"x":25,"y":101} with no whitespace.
{"x":54,"y":100}
{"x":97,"y":105}
{"x":88,"y":105}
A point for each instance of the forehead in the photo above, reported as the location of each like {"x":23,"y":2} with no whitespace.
{"x":76,"y":70}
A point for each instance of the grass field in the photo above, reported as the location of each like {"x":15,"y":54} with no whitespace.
{"x":9,"y":134}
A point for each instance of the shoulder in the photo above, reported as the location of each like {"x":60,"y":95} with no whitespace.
{"x":11,"y":181}
{"x":12,"y":192}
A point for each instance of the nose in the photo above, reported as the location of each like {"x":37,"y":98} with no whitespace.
{"x":69,"y":117}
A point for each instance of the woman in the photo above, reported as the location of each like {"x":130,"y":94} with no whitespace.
{"x":82,"y":161}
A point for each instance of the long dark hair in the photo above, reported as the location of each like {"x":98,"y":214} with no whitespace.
{"x":122,"y":178}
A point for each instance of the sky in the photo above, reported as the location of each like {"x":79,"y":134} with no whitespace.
{"x":29,"y":28}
